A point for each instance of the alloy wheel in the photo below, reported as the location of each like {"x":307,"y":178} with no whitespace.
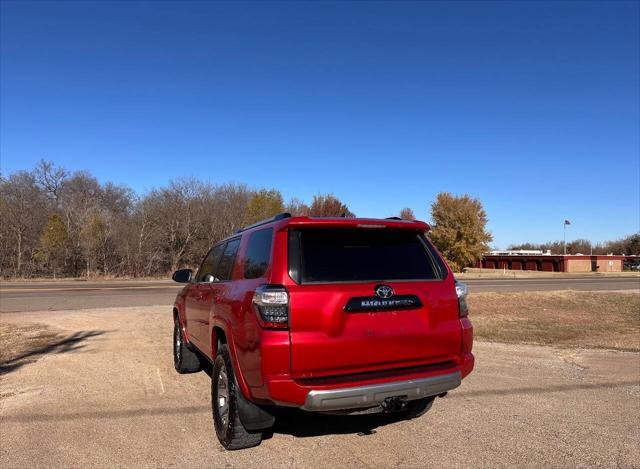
{"x":177,"y":342}
{"x":222,"y":396}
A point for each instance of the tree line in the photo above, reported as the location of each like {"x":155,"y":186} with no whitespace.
{"x":61,"y":224}
{"x":57,"y":223}
{"x":629,"y":245}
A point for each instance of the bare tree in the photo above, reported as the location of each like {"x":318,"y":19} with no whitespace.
{"x":108,"y":230}
{"x":628,"y":245}
{"x":228,"y":206}
{"x":23,"y":210}
{"x":407,"y":214}
{"x":51,"y":179}
{"x":297,"y":207}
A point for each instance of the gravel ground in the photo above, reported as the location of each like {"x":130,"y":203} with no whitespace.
{"x":109,"y":397}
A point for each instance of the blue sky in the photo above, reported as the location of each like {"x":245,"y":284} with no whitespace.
{"x":533,"y":107}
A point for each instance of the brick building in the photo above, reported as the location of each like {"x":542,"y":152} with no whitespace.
{"x":546,"y":262}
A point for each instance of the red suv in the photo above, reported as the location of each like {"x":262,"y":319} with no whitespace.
{"x":336,"y":315}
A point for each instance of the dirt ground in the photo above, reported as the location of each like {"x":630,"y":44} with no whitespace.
{"x":106,"y":394}
{"x":22,"y":341}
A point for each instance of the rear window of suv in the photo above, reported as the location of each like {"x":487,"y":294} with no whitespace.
{"x":351,"y":255}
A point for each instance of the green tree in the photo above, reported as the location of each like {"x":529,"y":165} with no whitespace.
{"x":329,"y":206}
{"x":54,"y":242}
{"x":97,"y":243}
{"x":459,"y":229}
{"x":264,"y":204}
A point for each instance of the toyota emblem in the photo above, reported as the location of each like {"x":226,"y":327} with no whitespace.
{"x":384,"y":291}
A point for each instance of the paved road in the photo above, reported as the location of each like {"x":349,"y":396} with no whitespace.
{"x":107,"y":396}
{"x":73,"y":295}
{"x":70,"y":295}
{"x":546,"y":284}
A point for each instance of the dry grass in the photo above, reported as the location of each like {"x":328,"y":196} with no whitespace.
{"x":563,"y":318}
{"x":19,"y":339}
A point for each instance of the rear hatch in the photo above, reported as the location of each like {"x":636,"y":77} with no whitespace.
{"x":368,"y":299}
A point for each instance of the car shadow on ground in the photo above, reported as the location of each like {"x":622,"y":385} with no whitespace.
{"x":302,"y":424}
{"x":306,"y":424}
{"x":71,"y":343}
{"x":298,"y":423}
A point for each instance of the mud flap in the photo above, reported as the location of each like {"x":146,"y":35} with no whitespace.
{"x":253,"y":417}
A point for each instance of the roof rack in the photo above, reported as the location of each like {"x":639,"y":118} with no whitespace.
{"x":394,"y":218}
{"x":279,"y":216}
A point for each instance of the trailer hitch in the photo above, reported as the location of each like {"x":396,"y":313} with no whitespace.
{"x":394,"y":404}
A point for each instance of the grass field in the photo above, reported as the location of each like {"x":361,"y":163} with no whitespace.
{"x":562,"y":318}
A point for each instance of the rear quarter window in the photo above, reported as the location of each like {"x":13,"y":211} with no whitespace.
{"x":258,"y":254}
{"x":225,"y":266}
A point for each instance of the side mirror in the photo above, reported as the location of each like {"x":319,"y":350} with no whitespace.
{"x":182,"y":275}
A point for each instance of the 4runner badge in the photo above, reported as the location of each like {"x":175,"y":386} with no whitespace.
{"x":384,"y":291}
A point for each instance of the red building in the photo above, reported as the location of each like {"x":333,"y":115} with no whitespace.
{"x":538,"y":261}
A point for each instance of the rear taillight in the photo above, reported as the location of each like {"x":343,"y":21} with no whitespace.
{"x":461,"y":291}
{"x":272,"y":306}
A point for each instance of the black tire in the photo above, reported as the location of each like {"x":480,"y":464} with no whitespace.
{"x":184,"y":360}
{"x":419,"y":407}
{"x":226,"y":420}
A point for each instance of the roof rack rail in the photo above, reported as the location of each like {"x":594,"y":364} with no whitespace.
{"x":394,"y":218}
{"x":279,"y":216}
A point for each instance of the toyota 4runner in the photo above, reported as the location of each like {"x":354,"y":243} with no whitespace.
{"x":335,"y":315}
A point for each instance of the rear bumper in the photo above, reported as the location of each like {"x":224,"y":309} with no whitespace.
{"x":374,"y":394}
{"x":282,"y":390}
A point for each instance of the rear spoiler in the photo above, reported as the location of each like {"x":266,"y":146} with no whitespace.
{"x":342,"y":222}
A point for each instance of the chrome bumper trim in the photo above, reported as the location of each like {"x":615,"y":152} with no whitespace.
{"x":374,"y":394}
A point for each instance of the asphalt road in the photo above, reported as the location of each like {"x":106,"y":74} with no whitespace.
{"x":73,"y":295}
{"x":106,"y":395}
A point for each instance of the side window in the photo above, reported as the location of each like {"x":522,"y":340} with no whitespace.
{"x":225,"y":267}
{"x":258,"y":253}
{"x":208,"y":267}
